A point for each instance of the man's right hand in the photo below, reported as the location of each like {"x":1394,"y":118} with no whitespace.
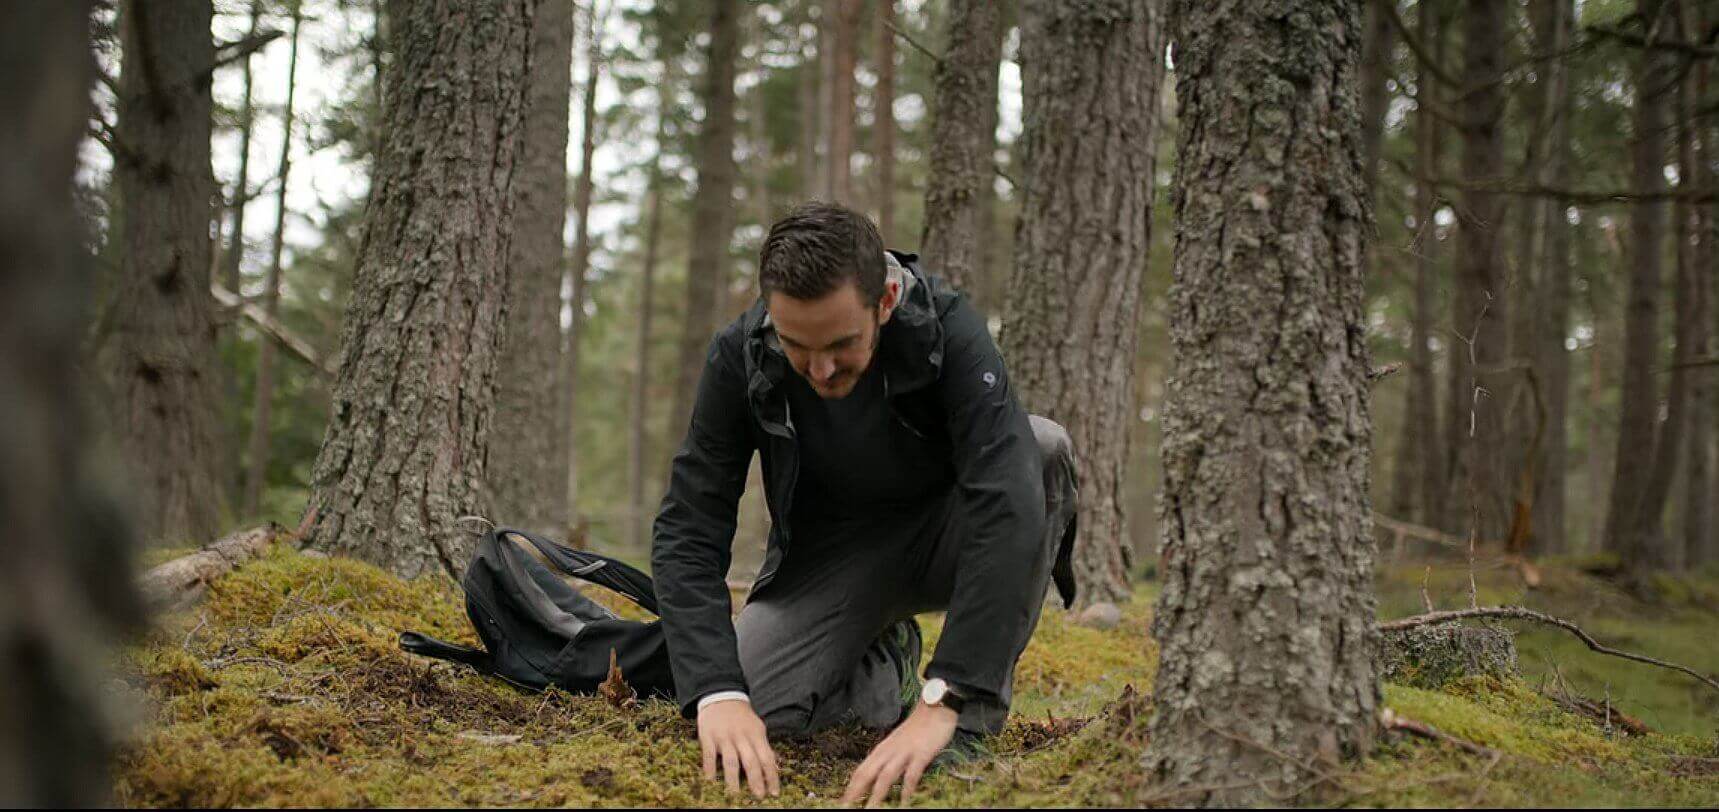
{"x":731,"y":734}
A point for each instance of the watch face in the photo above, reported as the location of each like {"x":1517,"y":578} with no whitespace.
{"x":935,"y":691}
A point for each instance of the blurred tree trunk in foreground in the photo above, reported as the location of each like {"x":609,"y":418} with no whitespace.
{"x":65,"y":568}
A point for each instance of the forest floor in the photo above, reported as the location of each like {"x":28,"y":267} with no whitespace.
{"x":285,"y":687}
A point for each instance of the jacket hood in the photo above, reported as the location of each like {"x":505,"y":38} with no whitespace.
{"x":910,"y":349}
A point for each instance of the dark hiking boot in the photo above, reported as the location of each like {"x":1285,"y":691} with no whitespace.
{"x":966,"y":749}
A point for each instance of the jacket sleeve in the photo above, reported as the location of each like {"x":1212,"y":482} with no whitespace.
{"x":1000,"y":488}
{"x":692,"y":540}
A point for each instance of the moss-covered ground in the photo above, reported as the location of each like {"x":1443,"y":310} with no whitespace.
{"x":286,"y":688}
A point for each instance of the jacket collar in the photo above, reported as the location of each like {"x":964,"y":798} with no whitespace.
{"x":910,"y":350}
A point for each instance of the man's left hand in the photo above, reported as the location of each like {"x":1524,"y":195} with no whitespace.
{"x":902,"y":756}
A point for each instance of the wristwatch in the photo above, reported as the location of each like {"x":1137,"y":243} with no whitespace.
{"x":939,"y":693}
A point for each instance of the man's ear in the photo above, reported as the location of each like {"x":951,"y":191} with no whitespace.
{"x":887,"y":302}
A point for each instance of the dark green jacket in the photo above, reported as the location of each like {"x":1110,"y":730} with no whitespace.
{"x":945,"y":380}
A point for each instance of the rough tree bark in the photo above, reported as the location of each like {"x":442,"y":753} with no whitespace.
{"x":1552,"y":310}
{"x":1478,"y":499}
{"x":962,"y":142}
{"x":408,"y":435}
{"x":1266,"y":621}
{"x":265,"y":391}
{"x":65,"y":569}
{"x":162,"y":362}
{"x":712,"y":207}
{"x":528,"y":458}
{"x":1089,"y":108}
{"x":883,"y":149}
{"x":1633,"y":521}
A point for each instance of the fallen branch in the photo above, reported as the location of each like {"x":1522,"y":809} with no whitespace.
{"x":273,"y":328}
{"x":1391,"y":720}
{"x":180,"y":582}
{"x":1521,"y":613}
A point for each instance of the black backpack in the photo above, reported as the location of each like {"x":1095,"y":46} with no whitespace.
{"x":539,"y":630}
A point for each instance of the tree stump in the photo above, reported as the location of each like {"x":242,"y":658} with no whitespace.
{"x":1431,"y":656}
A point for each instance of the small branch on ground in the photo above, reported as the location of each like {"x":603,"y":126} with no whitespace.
{"x":1522,"y":613}
{"x":1391,"y":720}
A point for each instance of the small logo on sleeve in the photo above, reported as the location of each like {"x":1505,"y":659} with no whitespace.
{"x":990,"y":379}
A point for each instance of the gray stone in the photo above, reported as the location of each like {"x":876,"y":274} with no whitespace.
{"x":1100,"y":616}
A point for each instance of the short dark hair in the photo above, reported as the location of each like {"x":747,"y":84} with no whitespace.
{"x":819,"y":247}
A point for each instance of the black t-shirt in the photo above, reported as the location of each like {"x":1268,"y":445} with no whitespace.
{"x":857,"y":462}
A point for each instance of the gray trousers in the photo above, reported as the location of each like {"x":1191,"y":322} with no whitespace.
{"x":810,"y":646}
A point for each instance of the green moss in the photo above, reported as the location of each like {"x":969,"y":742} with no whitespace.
{"x":286,"y":688}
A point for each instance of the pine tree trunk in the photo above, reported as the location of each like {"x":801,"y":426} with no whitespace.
{"x":712,"y":208}
{"x":163,"y":362}
{"x":1265,"y":621}
{"x":1633,"y":519}
{"x":65,"y":568}
{"x":1479,"y":498}
{"x":528,"y":457}
{"x":1376,"y":67}
{"x":811,"y":110}
{"x":408,"y":434}
{"x":844,"y":57}
{"x":265,"y":392}
{"x":1089,"y":115}
{"x":961,"y":142}
{"x":639,"y":456}
{"x":235,"y":253}
{"x":1419,"y":488}
{"x":1698,"y":526}
{"x":884,"y":120}
{"x":581,"y":267}
{"x":1552,"y":311}
{"x":829,"y":12}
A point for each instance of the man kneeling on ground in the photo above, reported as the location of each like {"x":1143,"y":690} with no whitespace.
{"x":902,"y":476}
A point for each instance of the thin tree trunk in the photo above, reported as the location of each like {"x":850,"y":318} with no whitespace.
{"x":639,"y":458}
{"x":408,"y":435}
{"x":841,"y":132}
{"x":712,"y":207}
{"x":163,"y":360}
{"x":265,"y":392}
{"x":1419,"y":488}
{"x":1073,"y":318}
{"x":1552,"y":308}
{"x":962,"y":142}
{"x":1479,"y":500}
{"x":65,"y":569}
{"x":884,"y":120}
{"x":1376,"y":67}
{"x":828,"y":19}
{"x":581,"y":268}
{"x":1698,"y":525}
{"x":528,"y":457}
{"x":811,"y":111}
{"x":1633,"y":522}
{"x":235,"y":253}
{"x":1266,"y":619}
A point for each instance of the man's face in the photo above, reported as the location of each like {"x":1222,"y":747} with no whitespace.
{"x":830,"y":341}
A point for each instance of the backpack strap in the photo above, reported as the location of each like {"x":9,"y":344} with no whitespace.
{"x":598,"y":569}
{"x":424,"y":645}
